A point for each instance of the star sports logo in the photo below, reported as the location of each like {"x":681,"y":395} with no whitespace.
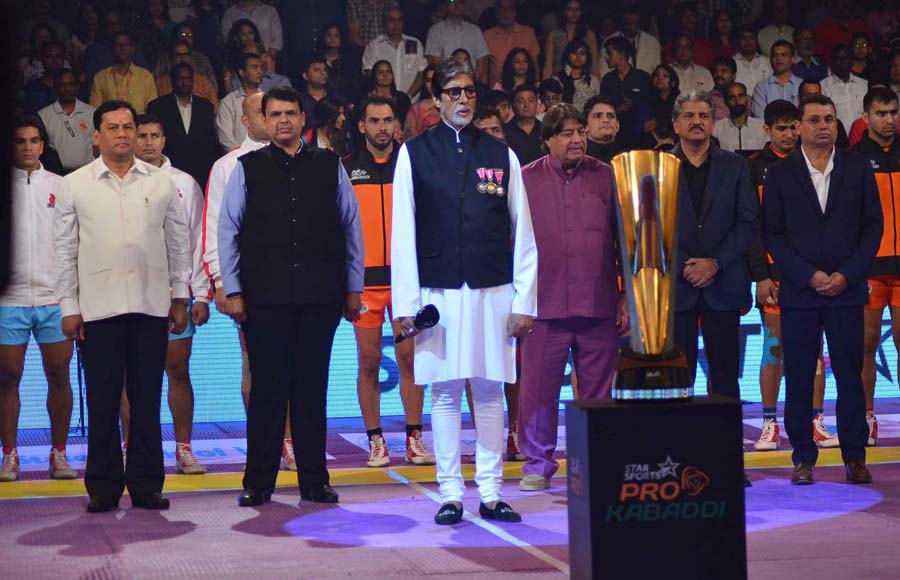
{"x":51,"y":201}
{"x":663,"y":491}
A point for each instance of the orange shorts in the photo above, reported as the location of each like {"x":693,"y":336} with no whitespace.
{"x":769,"y":309}
{"x":883,"y":290}
{"x":377,"y":299}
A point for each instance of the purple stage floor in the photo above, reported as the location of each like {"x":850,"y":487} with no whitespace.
{"x":830,"y":530}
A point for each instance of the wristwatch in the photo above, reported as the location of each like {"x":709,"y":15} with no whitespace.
{"x":716,"y":264}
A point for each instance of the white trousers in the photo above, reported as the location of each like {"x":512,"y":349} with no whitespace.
{"x":446,"y":421}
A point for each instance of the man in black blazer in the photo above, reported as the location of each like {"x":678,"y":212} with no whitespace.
{"x":189,"y":123}
{"x":822,"y":222}
{"x":717,"y":219}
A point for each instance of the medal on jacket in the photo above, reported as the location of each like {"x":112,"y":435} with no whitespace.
{"x":499,"y":174}
{"x":482,"y":184}
{"x":490,"y":187}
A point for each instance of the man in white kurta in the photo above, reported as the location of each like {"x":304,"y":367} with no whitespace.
{"x":463,"y":241}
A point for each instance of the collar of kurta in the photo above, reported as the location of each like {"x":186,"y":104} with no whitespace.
{"x":282,"y":155}
{"x":467,"y":132}
{"x":556,"y":164}
{"x":101,"y":169}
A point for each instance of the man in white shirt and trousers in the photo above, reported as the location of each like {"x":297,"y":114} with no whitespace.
{"x":463,"y":241}
{"x":123,"y":271}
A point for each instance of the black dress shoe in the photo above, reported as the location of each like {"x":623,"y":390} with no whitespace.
{"x":857,"y":472}
{"x":321,"y":494}
{"x":747,"y":482}
{"x":150,"y":501}
{"x":803,"y":474}
{"x":252,"y":497}
{"x":502,"y":512}
{"x":100,"y":503}
{"x":448,"y":515}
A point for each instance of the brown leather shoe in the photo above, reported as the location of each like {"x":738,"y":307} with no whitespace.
{"x":857,"y":472}
{"x":803,"y":474}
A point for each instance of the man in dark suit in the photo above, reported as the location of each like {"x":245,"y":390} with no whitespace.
{"x":822,"y":221}
{"x":189,"y":124}
{"x":717,"y":217}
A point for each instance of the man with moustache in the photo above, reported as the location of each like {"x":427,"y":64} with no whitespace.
{"x":739,"y":131}
{"x":580,"y":306}
{"x":823,"y":224}
{"x":289,"y":216}
{"x":257,"y":138}
{"x":462,"y":240}
{"x":723,"y":71}
{"x":372,"y":173}
{"x":602,"y":128}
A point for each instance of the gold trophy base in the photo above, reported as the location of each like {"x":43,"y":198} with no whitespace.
{"x":658,"y":377}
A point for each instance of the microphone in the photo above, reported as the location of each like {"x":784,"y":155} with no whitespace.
{"x":425,"y":318}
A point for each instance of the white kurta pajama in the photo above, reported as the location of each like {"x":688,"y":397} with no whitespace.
{"x":470,"y":341}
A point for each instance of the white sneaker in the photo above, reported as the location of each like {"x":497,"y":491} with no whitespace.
{"x":288,"y":462}
{"x":415,"y":450}
{"x":770,"y":437}
{"x":378,"y":452}
{"x":9,"y":469}
{"x":872,"y":421}
{"x":533,"y":482}
{"x":821,"y":435}
{"x":186,"y":462}
{"x":59,"y":465}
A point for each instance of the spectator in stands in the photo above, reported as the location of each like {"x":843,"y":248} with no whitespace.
{"x":691,"y":76}
{"x":42,"y":17}
{"x":315,"y":77}
{"x":405,"y":53}
{"x":838,"y":28}
{"x":752,"y":67}
{"x":30,"y":66}
{"x":739,"y":131}
{"x":523,"y":133}
{"x":723,"y":71}
{"x":101,"y":54}
{"x":204,"y":86}
{"x":783,"y":84}
{"x":778,"y":27}
{"x":488,"y":122}
{"x":810,"y":88}
{"x":189,"y":123}
{"x":86,"y":31}
{"x":271,"y":79}
{"x":627,"y":88}
{"x":602,"y":128}
{"x":153,"y":30}
{"x":701,"y":46}
{"x":229,"y":127}
{"x":264,"y":16}
{"x":843,"y":87}
{"x":645,"y":46}
{"x":807,"y":66}
{"x":577,"y":82}
{"x":242,"y":37}
{"x":666,"y":88}
{"x":365,"y":20}
{"x":69,"y":123}
{"x":303,"y":20}
{"x":203,"y":67}
{"x":423,"y":113}
{"x":500,"y":102}
{"x":573,"y":28}
{"x":207,"y":29}
{"x":724,"y":39}
{"x":39,"y":92}
{"x":863,"y":65}
{"x":550,"y":92}
{"x":507,"y":36}
{"x":518,"y":69}
{"x":453,"y":33}
{"x":381,"y":83}
{"x":124,"y":80}
{"x":330,"y":128}
{"x":344,"y":61}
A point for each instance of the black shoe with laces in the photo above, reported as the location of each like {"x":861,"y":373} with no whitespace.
{"x":448,"y":515}
{"x":502,"y":512}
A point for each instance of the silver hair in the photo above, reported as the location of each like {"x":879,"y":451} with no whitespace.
{"x":448,"y":70}
{"x":694,"y":96}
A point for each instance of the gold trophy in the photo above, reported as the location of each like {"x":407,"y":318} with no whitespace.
{"x":652,"y":367}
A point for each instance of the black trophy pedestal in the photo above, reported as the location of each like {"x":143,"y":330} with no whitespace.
{"x":656,"y":490}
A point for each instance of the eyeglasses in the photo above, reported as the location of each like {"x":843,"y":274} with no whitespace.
{"x":186,"y":33}
{"x":455,"y":92}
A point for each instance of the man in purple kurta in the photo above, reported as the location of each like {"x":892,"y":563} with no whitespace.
{"x":580,"y":307}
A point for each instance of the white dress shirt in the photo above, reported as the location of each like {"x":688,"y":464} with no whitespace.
{"x":122,"y":245}
{"x":751,"y":72}
{"x":407,"y":58}
{"x":215,"y":191}
{"x":694,"y":77}
{"x":772,"y":34}
{"x":750,"y":137}
{"x":821,"y":180}
{"x":264,"y":16}
{"x":32,"y":269}
{"x":185,"y":110}
{"x":70,"y":134}
{"x":228,"y":120}
{"x":446,"y":36}
{"x":191,"y":197}
{"x":847,"y":97}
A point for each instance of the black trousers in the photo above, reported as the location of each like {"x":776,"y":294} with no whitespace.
{"x":801,"y":329}
{"x":290,"y":350}
{"x":721,"y":340}
{"x":132,"y":344}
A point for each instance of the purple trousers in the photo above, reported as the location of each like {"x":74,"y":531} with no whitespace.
{"x":595,"y":348}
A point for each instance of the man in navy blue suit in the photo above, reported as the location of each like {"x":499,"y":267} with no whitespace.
{"x":717,"y":220}
{"x":822,"y":222}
